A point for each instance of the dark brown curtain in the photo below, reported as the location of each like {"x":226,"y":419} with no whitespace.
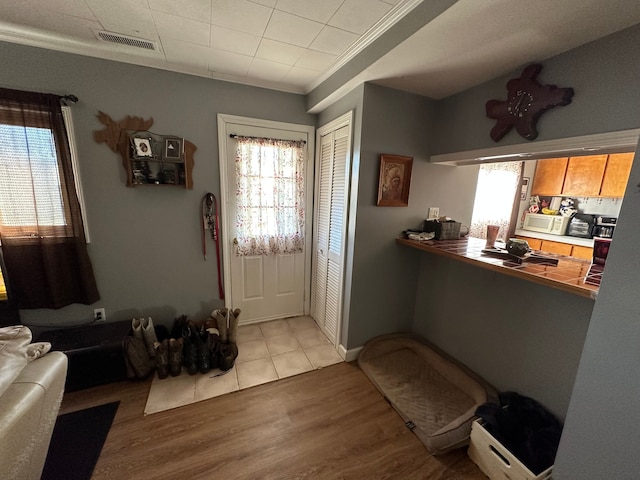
{"x":46,"y":260}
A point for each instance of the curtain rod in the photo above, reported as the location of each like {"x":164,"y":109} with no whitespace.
{"x":70,"y":98}
{"x":233,"y":135}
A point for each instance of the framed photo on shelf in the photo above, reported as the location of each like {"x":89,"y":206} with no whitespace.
{"x":394,"y":181}
{"x":173,"y":148}
{"x":142,"y":147}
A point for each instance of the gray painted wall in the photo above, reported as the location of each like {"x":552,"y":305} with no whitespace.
{"x":602,"y":430}
{"x":145,"y":241}
{"x":384,"y":275}
{"x":518,"y":335}
{"x":604,"y":75}
{"x":535,"y":351}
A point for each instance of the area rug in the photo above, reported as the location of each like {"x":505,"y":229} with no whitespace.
{"x":77,"y":441}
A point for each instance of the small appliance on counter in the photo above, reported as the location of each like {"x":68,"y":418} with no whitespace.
{"x":581,"y":225}
{"x":539,"y":222}
{"x":604,"y":227}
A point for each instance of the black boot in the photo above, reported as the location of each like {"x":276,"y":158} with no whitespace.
{"x":202,"y":350}
{"x":189,"y":352}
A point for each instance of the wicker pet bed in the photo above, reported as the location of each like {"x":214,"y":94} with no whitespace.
{"x":436,"y":395}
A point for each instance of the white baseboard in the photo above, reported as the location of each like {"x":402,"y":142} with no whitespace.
{"x":349,"y":355}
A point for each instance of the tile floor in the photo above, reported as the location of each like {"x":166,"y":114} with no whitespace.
{"x":266,"y":352}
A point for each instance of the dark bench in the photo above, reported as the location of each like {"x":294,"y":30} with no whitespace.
{"x":94,"y":352}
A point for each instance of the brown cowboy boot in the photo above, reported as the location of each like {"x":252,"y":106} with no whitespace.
{"x":162,"y":358}
{"x":232,"y":334}
{"x":175,"y":356}
{"x":221,"y":322}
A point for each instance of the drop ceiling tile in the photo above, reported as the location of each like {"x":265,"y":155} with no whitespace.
{"x":180,"y":28}
{"x":267,"y":3}
{"x":267,"y":70}
{"x":125,"y":18}
{"x":300,"y":76}
{"x":50,"y":22}
{"x":234,"y":41}
{"x":240,"y":15}
{"x":74,"y":8}
{"x":194,"y":9}
{"x":316,"y":61}
{"x":221,"y":61}
{"x":288,"y":28}
{"x":358,"y":16}
{"x":184,"y":53}
{"x":333,"y":40}
{"x":279,"y":52}
{"x":320,"y":11}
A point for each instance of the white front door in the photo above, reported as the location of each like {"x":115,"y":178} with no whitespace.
{"x":265,"y":287}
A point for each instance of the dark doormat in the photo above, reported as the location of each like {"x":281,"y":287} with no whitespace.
{"x":77,"y":441}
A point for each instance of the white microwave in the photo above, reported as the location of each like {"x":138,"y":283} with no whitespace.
{"x":551,"y":224}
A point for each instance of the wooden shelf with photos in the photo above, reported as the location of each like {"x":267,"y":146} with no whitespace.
{"x":152,"y":159}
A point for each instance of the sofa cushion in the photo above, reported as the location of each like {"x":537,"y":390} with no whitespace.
{"x":14,"y":341}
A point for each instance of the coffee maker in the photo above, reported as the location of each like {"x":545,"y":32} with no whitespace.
{"x":604,"y":227}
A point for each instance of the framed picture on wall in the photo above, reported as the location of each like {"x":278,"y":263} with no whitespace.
{"x":142,"y":147}
{"x":394,"y":181}
{"x":173,"y":148}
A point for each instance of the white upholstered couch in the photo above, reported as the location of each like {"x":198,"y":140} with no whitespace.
{"x":31,"y":387}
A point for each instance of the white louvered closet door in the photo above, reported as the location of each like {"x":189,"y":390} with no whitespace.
{"x":331,"y":218}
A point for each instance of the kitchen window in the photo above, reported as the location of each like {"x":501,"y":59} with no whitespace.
{"x":495,"y":197}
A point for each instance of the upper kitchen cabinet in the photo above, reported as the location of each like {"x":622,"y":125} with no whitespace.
{"x":549,"y":176}
{"x":587,"y":176}
{"x":616,"y":175}
{"x":584,"y":176}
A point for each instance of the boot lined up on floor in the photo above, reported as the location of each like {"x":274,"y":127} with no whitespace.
{"x":198,"y":347}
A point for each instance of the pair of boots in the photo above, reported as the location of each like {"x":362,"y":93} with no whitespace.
{"x":169,"y":357}
{"x":196,"y":346}
{"x":227,"y":323}
{"x":144,"y":330}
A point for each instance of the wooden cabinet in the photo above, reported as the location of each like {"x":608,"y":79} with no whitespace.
{"x":549,"y":176}
{"x":585,"y":253}
{"x":559,"y":248}
{"x":583,"y":177}
{"x":534,"y":243}
{"x":587,"y":176}
{"x":556,"y":247}
{"x":616,"y":174}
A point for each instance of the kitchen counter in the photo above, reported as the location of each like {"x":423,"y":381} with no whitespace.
{"x":583,"y":242}
{"x":568,"y":275}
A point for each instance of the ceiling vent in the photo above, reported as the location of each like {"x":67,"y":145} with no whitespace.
{"x":126,"y":40}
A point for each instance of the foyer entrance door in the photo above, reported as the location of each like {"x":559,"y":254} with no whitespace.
{"x":271,"y":286}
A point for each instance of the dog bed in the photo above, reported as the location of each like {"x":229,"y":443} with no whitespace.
{"x":435,"y":395}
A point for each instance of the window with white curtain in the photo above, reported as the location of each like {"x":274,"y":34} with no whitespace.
{"x":270,"y":214}
{"x":495,"y":193}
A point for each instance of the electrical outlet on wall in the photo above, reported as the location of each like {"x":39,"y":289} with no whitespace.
{"x":99,"y":315}
{"x":434,"y":213}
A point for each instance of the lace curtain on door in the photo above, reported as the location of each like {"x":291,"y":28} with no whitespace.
{"x":495,"y":193}
{"x":269,"y":196}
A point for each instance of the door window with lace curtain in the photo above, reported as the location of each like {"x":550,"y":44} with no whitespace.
{"x":270,"y":212}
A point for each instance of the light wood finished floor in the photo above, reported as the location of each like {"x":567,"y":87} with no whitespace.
{"x":325,"y":424}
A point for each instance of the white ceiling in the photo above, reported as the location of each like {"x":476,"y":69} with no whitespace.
{"x":293,"y":45}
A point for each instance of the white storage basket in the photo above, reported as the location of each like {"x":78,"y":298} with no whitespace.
{"x":496,"y":461}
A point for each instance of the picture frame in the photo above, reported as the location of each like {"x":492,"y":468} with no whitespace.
{"x":173,"y":149}
{"x":142,"y":147}
{"x":394,"y":181}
